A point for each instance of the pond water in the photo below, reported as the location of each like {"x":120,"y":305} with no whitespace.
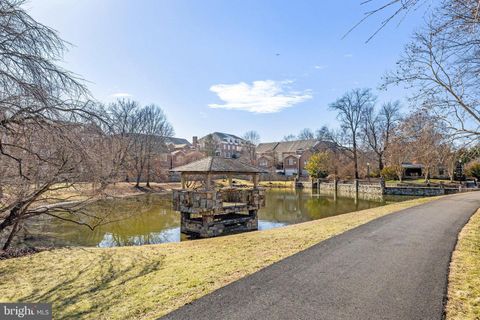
{"x":149,"y":219}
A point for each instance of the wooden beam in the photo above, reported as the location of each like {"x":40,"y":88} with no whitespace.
{"x":183,"y":179}
{"x":208,"y":181}
{"x":255,"y":180}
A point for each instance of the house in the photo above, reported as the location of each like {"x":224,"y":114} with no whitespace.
{"x":224,"y":145}
{"x":174,"y":144}
{"x":287,"y":157}
{"x":413,"y":170}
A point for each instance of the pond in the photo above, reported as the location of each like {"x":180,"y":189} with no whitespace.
{"x":149,"y":219}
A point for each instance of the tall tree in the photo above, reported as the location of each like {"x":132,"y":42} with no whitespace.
{"x":377,"y":128}
{"x":252,"y":136}
{"x":155,"y":129}
{"x":289,"y":137}
{"x":46,"y":127}
{"x":442,"y":64}
{"x":350,"y":109}
{"x":306,"y":134}
{"x":426,"y":137}
{"x":210,"y":146}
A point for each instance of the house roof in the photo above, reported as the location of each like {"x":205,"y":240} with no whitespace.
{"x":224,"y":136}
{"x":218,"y":165}
{"x":266,"y":147}
{"x":287,"y":146}
{"x":177,"y":141}
{"x":409,"y":165}
{"x":296,"y":156}
{"x":266,"y":157}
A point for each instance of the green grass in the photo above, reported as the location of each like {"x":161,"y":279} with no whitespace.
{"x":149,"y":281}
{"x":464,"y":278}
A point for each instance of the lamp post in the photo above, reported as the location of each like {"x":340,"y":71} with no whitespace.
{"x":368,"y":172}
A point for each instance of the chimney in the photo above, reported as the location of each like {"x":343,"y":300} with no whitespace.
{"x":195,"y":142}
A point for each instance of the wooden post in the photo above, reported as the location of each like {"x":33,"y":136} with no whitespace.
{"x":255,"y":180}
{"x":208,"y":181}
{"x":230,"y":180}
{"x":183,"y":179}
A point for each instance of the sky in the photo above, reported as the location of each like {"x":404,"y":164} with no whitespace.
{"x":229,"y":66}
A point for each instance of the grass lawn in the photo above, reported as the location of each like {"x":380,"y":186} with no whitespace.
{"x":149,"y":281}
{"x":464,"y":278}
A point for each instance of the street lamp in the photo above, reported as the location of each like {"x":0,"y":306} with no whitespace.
{"x":368,"y":171}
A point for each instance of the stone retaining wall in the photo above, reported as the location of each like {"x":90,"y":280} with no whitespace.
{"x":349,"y":189}
{"x":419,"y":191}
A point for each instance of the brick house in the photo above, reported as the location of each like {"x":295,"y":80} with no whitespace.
{"x":287,"y":157}
{"x":225,"y":145}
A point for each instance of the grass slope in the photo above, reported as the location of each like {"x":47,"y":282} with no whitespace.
{"x":464,"y":278}
{"x":149,"y":281}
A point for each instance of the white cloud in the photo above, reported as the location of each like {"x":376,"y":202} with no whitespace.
{"x":119,"y":95}
{"x":348,"y":55}
{"x":263,"y":96}
{"x":320,"y":67}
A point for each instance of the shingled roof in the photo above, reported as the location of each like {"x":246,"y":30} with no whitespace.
{"x":218,"y":165}
{"x":177,"y":141}
{"x":287,"y":146}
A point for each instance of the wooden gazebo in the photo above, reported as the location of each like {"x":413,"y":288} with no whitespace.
{"x":208,"y":211}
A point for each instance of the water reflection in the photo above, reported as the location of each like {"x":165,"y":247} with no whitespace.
{"x":149,"y":219}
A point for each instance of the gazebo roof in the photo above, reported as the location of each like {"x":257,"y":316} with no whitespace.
{"x":218,"y":165}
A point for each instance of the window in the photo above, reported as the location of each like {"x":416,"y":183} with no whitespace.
{"x":291,"y":161}
{"x":263,"y":163}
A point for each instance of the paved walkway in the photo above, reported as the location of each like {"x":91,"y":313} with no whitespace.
{"x":395,"y":267}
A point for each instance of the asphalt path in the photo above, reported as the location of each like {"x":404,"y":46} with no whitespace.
{"x":394,"y":267}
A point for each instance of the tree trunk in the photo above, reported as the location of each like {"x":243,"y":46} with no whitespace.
{"x":427,"y":174}
{"x":355,"y":159}
{"x":137,"y":184}
{"x":380,"y":163}
{"x":148,"y":172}
{"x":11,"y":235}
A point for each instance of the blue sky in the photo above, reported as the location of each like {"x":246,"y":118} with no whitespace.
{"x":231,"y":66}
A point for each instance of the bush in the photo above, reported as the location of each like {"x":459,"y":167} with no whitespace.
{"x":389,"y":173}
{"x":473,"y":169}
{"x":318,"y":165}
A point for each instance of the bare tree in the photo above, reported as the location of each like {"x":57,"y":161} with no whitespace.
{"x":350,"y":109}
{"x":420,"y":137}
{"x":252,"y":136}
{"x":289,"y":137}
{"x":306,"y":134}
{"x":46,"y":127}
{"x":156,"y":129}
{"x":377,"y":128}
{"x":210,"y":146}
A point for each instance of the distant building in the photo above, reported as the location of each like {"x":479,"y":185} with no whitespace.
{"x":224,"y":145}
{"x":287,"y":157}
{"x":415,"y":170}
{"x":173,"y":143}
